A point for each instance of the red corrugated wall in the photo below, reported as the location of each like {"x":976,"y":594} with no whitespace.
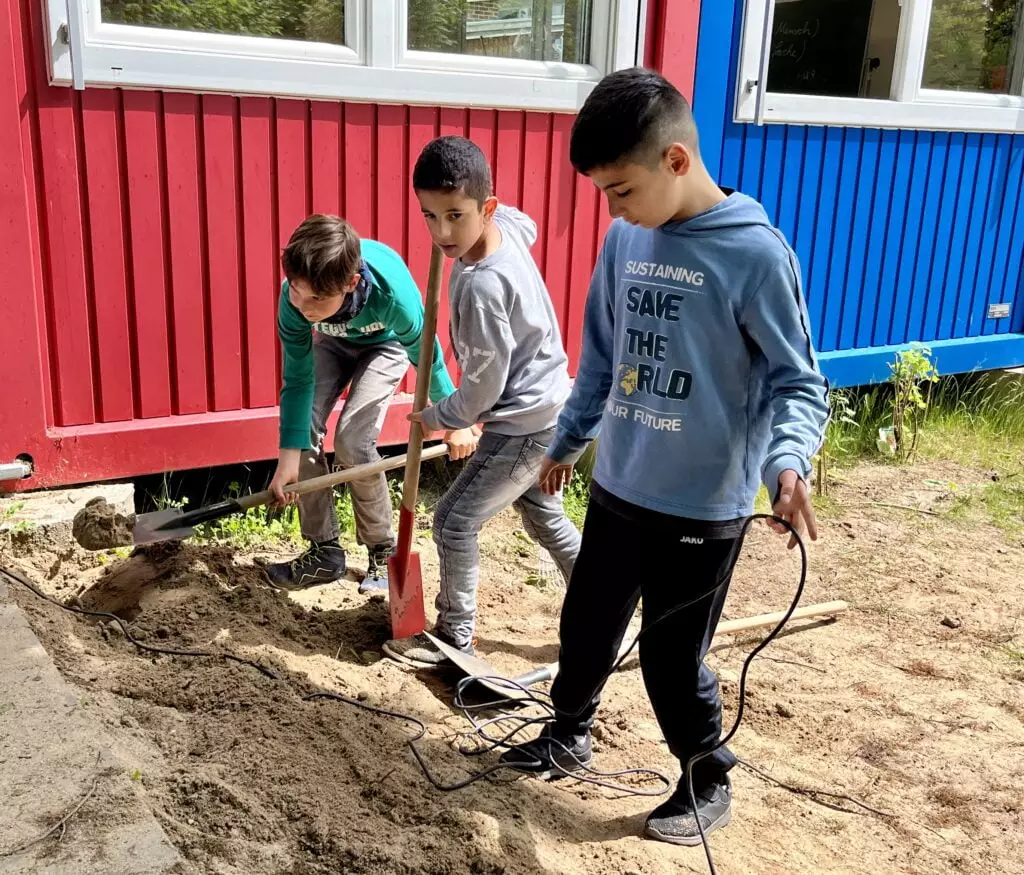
{"x":141,"y":233}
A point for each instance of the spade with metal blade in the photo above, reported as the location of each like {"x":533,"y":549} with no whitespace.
{"x":405,"y":580}
{"x":487,"y":676}
{"x":174,"y":524}
{"x":518,"y":687}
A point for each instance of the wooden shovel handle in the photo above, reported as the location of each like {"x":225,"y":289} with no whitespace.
{"x":356,"y":472}
{"x":726,"y":627}
{"x":745,"y":624}
{"x":423,"y":368}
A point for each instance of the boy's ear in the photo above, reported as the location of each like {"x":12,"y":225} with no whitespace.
{"x":679,"y":159}
{"x":490,"y":205}
{"x":353,"y":283}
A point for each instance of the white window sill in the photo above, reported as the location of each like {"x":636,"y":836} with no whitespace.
{"x":340,"y":78}
{"x":933,"y":112}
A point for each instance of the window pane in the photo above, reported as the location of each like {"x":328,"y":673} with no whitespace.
{"x":320,"y":21}
{"x":541,"y":30}
{"x":974,"y":45}
{"x":837,"y":48}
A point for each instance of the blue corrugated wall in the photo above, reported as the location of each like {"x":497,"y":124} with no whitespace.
{"x":902,"y":236}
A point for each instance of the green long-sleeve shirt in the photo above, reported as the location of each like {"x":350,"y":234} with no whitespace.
{"x":393,"y":311}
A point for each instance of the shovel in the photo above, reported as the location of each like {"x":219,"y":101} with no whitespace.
{"x":518,"y":687}
{"x":405,"y":580}
{"x":487,"y":676}
{"x":174,"y":524}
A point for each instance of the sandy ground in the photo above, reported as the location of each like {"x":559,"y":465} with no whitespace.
{"x":920,"y":720}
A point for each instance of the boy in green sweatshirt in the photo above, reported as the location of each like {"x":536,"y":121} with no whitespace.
{"x":350,"y":316}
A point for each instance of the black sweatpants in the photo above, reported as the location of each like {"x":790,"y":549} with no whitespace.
{"x":622,"y":559}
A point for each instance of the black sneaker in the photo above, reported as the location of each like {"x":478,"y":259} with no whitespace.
{"x":321,"y":563}
{"x":551,"y":755}
{"x":376,"y":579}
{"x":674,"y":821}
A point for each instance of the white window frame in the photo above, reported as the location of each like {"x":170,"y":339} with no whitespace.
{"x":373,"y":66}
{"x":910,"y":106}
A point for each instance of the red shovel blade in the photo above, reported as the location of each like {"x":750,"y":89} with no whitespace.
{"x":405,"y":582}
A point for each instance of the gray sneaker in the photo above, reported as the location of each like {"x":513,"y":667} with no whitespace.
{"x":420,"y":651}
{"x":321,"y":563}
{"x":551,"y":755}
{"x":675,"y":821}
{"x":376,"y":579}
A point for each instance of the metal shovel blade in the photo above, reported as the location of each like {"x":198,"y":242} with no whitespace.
{"x":153,"y":527}
{"x":405,"y":583}
{"x":480,"y":669}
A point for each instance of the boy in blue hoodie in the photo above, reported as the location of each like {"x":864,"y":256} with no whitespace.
{"x":699,"y":372}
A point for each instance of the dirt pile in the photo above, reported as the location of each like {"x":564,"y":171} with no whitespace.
{"x":245,"y":775}
{"x":99,"y":526}
{"x":191,"y":595}
{"x":888,"y":705}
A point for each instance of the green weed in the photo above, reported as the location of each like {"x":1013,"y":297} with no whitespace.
{"x":163,"y":500}
{"x":8,"y":513}
{"x":1000,"y":503}
{"x":344,"y":512}
{"x":576,"y":497}
{"x":256,"y":527}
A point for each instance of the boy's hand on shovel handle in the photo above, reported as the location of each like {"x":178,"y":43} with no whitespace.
{"x":554,"y":476}
{"x":287,"y":473}
{"x":795,"y":507}
{"x":461,"y":443}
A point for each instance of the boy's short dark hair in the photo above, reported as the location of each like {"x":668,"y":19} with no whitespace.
{"x":633,"y":114}
{"x":324,"y":251}
{"x":452,"y":163}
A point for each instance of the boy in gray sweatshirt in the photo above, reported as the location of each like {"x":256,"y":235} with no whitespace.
{"x":514,"y":382}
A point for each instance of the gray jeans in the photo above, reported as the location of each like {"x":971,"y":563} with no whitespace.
{"x":502,"y":472}
{"x":372,"y":373}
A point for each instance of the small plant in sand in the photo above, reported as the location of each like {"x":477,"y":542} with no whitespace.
{"x":840,"y":436}
{"x":8,"y":523}
{"x":8,"y":513}
{"x":912,"y":377}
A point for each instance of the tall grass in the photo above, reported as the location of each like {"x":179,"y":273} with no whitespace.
{"x":975,"y":419}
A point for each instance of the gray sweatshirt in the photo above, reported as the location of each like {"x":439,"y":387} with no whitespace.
{"x":515,"y":375}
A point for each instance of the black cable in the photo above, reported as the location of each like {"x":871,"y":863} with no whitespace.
{"x":696,"y":758}
{"x":18,"y":577}
{"x":591,"y":776}
{"x":493,"y":744}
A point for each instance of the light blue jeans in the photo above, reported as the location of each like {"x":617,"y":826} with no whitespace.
{"x":501,"y":473}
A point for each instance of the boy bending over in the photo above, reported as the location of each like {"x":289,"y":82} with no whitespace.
{"x":350,"y":316}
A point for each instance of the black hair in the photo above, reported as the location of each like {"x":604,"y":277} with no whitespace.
{"x":632,"y":114}
{"x":450,"y":164}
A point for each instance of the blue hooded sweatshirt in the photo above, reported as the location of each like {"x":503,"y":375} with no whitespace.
{"x":697,"y":367}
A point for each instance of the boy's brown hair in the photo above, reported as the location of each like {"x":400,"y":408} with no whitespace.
{"x":324,"y":251}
